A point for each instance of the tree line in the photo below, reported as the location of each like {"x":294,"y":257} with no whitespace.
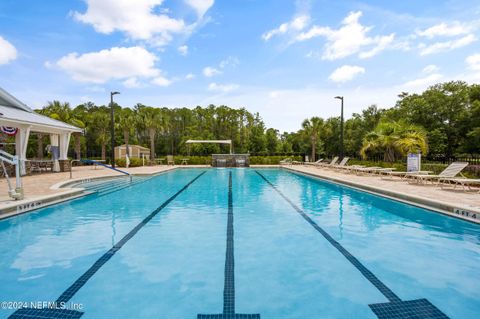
{"x":444,"y":120}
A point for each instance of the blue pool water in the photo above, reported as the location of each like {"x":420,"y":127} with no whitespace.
{"x":265,"y":243}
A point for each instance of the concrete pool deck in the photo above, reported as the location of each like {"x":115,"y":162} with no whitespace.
{"x":45,"y":189}
{"x":449,"y":201}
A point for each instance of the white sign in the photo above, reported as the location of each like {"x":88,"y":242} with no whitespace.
{"x":413,"y":162}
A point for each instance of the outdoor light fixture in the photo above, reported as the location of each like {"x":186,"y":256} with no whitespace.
{"x":341,"y":128}
{"x":112,"y":129}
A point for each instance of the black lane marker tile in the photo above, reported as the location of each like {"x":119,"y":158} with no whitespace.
{"x":82,"y":280}
{"x":29,"y":313}
{"x":229,"y":284}
{"x":396,"y":308}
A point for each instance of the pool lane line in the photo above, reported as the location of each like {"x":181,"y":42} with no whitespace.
{"x":82,"y":280}
{"x":229,"y":283}
{"x":384,"y":290}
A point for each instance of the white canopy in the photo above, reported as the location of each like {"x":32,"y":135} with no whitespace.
{"x":14,"y":113}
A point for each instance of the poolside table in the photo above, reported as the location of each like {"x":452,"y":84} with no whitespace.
{"x":184,"y":161}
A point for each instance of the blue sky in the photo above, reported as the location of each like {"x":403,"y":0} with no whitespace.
{"x":283,"y":59}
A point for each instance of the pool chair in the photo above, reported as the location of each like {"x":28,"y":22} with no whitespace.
{"x":342,"y":163}
{"x":332,"y":163}
{"x":466,"y":183}
{"x":361,"y":170}
{"x":318,"y":162}
{"x":403,"y":175}
{"x":450,"y":172}
{"x":286,"y":161}
{"x":170,"y":160}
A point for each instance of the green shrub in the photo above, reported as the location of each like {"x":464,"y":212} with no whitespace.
{"x":271,"y":160}
{"x":134,"y":162}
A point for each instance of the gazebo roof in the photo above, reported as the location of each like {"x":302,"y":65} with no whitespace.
{"x":14,"y":113}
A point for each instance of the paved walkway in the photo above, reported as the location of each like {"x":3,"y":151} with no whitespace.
{"x":447,"y":197}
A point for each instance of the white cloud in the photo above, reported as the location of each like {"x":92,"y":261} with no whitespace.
{"x":135,"y":18}
{"x":131,"y":83}
{"x":200,"y":6}
{"x":231,"y":61}
{"x":225,"y":88}
{"x":8,"y":52}
{"x":473,"y":62}
{"x":296,"y":24}
{"x":424,"y":82}
{"x":190,"y":76}
{"x":349,"y":39}
{"x":210,"y":71}
{"x":161,"y":81}
{"x":346,"y":73}
{"x":383,"y":43}
{"x":113,"y":64}
{"x":183,"y":50}
{"x":446,"y":45}
{"x":432,"y":68}
{"x":448,"y":30}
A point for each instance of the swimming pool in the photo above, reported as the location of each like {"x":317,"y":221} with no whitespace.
{"x":237,"y":243}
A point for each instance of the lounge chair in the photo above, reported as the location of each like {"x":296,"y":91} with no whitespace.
{"x":170,"y":160}
{"x":286,"y":161}
{"x":404,"y":175}
{"x":314,"y":163}
{"x":342,"y":163}
{"x":332,"y":162}
{"x":450,"y":172}
{"x":466,"y":183}
{"x":369,"y":170}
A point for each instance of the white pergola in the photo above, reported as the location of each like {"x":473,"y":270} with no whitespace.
{"x":14,"y":113}
{"x":211,"y":142}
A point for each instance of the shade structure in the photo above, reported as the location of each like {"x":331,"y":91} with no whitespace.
{"x":14,"y":113}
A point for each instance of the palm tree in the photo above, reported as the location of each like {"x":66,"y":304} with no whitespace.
{"x":394,"y":139}
{"x":312,"y":128}
{"x":126,"y":124}
{"x":151,"y":119}
{"x":62,"y":112}
{"x":101,"y":124}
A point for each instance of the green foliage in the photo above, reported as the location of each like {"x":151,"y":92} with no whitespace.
{"x":134,"y":162}
{"x":448,"y":112}
{"x":394,"y":140}
{"x":271,"y":160}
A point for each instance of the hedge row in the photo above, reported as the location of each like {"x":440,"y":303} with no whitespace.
{"x":207,"y":160}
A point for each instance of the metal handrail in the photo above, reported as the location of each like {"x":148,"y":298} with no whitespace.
{"x":16,"y":193}
{"x":105,"y":165}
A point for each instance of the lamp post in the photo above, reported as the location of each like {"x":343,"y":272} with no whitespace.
{"x":112,"y":129}
{"x":341,"y":128}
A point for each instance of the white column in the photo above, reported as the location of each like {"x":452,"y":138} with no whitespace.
{"x":64,"y":143}
{"x":21,"y":143}
{"x":54,"y":142}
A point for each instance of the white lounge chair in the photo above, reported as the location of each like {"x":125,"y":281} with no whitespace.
{"x":450,"y":172}
{"x":314,"y":163}
{"x":286,"y":161}
{"x":332,"y":163}
{"x":342,"y":163}
{"x":466,"y":183}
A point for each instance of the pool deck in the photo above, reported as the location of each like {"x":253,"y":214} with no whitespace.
{"x":46,"y":189}
{"x":453,"y":202}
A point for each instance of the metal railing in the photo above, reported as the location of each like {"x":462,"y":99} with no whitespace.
{"x":87,"y":161}
{"x":16,"y":193}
